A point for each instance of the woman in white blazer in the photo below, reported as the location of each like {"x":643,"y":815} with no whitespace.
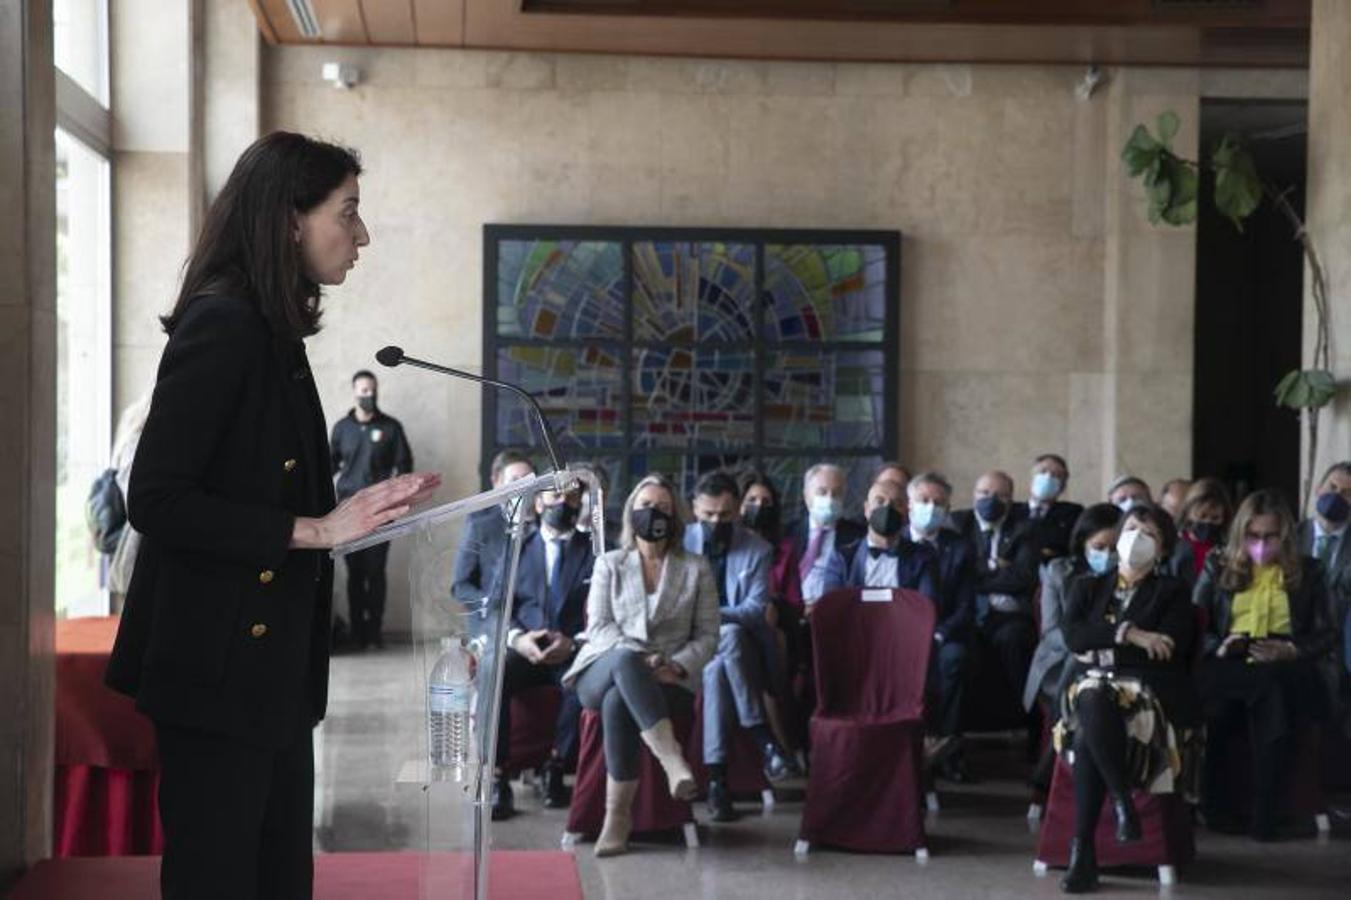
{"x":652,"y":624}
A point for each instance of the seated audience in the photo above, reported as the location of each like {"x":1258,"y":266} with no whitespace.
{"x":823,"y":532}
{"x":1007,"y":552}
{"x":1092,"y":553}
{"x":1055,"y":517}
{"x":652,"y":625}
{"x":553,"y":579}
{"x":1128,"y":492}
{"x":1172,"y":496}
{"x":930,"y":497}
{"x":887,"y":558}
{"x":483,"y":545}
{"x":1324,"y":537}
{"x":736,"y":677}
{"x":1131,"y":630}
{"x":1201,"y":524}
{"x":1268,"y":630}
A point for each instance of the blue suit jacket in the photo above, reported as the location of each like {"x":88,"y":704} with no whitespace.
{"x":956,"y":597}
{"x":480,"y":558}
{"x":916,"y":568}
{"x":535,"y":606}
{"x":748,"y":563}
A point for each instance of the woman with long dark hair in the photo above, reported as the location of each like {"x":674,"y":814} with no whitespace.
{"x":224,"y":638}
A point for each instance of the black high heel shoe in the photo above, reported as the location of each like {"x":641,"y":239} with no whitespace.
{"x":1127,"y":822}
{"x":1082,"y":876}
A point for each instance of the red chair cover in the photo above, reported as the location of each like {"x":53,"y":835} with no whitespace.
{"x":534,"y":715}
{"x":745,"y":769}
{"x":863,"y":792}
{"x":653,"y":808}
{"x":1165,"y":823}
{"x":105,"y":812}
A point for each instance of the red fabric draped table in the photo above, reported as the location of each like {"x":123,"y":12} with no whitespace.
{"x":107,"y":772}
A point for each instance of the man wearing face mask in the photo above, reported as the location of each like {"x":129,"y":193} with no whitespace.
{"x":367,"y":447}
{"x":887,"y":557}
{"x":1007,"y":553}
{"x":1055,"y":517}
{"x":1323,"y":536}
{"x":735,"y":679}
{"x":1128,"y":492}
{"x":823,"y":532}
{"x":552,"y":582}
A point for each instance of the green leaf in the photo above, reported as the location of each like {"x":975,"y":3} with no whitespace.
{"x":1306,"y":389}
{"x":1181,"y":208}
{"x":1168,"y":124}
{"x":1238,"y":189}
{"x":1140,"y":151}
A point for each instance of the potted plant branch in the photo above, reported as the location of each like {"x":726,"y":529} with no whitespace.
{"x":1172,"y":186}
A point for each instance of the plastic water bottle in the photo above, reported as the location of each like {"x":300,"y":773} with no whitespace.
{"x":450,"y":704}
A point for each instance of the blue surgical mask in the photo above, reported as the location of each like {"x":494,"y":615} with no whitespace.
{"x":927,"y":517}
{"x":1100,"y":561}
{"x":1045,"y":486}
{"x":825,"y":510}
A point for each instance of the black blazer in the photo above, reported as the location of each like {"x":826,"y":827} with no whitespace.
{"x":1019,"y":543}
{"x":1054,"y":527}
{"x":1310,"y":612}
{"x":1162,"y":603}
{"x":534,"y":607}
{"x":956,"y":586}
{"x":226,"y":629}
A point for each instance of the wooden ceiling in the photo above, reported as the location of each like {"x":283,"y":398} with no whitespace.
{"x":1119,"y":32}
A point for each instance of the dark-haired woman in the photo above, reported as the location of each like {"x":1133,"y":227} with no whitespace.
{"x":224,"y":637}
{"x":1128,"y":717}
{"x":1268,"y":631}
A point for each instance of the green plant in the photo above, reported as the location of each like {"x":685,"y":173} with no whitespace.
{"x":1172,"y":187}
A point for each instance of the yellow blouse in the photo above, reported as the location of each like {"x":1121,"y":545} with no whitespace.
{"x":1264,"y":608}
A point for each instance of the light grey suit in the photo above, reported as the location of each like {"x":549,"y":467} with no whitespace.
{"x":1051,"y":651}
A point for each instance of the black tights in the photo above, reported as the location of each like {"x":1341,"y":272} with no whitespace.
{"x":1099,"y":758}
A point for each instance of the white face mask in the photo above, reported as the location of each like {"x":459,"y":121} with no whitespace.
{"x":1136,"y":549}
{"x":825,"y":510}
{"x":927,"y":517}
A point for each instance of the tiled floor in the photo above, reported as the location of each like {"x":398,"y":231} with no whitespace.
{"x":981,"y":844}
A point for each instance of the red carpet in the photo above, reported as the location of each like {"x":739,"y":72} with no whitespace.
{"x":515,"y":875}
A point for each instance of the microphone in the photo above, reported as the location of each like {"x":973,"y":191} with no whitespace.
{"x":394,"y":356}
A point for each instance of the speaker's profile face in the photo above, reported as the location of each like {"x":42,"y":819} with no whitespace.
{"x":332,"y":234}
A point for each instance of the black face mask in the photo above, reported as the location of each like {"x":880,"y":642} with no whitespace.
{"x":561,"y":516}
{"x":717,"y":537}
{"x":886,"y":521}
{"x":1333,"y":507}
{"x":366,"y":403}
{"x":1205,"y":532}
{"x":761,"y":517}
{"x":651,"y":523}
{"x":991,"y":508}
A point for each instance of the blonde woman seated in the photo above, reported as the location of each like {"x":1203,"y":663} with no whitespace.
{"x":652,"y":624}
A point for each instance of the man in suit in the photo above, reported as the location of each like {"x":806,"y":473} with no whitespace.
{"x":483,"y":545}
{"x":736,"y":678}
{"x":886,"y":558}
{"x":930,"y":496}
{"x":553,"y":579}
{"x":823,"y":531}
{"x":1055,"y":518}
{"x":1325,"y":537}
{"x":1006,"y":549}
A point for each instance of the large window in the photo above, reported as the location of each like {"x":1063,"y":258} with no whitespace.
{"x":684,"y":350}
{"x":83,"y":302}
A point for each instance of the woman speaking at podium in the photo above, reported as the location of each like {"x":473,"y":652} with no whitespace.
{"x":225,"y":634}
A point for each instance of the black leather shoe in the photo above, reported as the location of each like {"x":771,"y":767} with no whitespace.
{"x":954,"y":770}
{"x":720,"y":808}
{"x":1127,"y":822}
{"x":1082,"y":876}
{"x":504,"y":805}
{"x":556,"y":793}
{"x":779,"y":765}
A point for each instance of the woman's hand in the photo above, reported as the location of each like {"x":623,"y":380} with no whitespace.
{"x":1158,"y":646}
{"x":365,"y":511}
{"x":1234,"y":645}
{"x":1271,"y":650}
{"x":669,"y":673}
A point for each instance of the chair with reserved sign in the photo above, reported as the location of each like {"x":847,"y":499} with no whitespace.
{"x":872,"y":654}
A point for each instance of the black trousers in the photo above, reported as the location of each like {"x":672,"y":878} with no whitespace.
{"x":946,"y":684}
{"x":238,"y":820}
{"x":366,"y":592}
{"x":521,"y":675}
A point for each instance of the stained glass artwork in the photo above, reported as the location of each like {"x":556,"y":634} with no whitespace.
{"x":825,"y":292}
{"x":823,"y":398}
{"x":692,"y":398}
{"x":579,"y":388}
{"x":684,"y":469}
{"x":693,"y":292}
{"x":549,"y":290}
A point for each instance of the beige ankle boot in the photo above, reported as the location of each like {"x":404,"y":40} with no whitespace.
{"x":660,"y":739}
{"x":614,"y":834}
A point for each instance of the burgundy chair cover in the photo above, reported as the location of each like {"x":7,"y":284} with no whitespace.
{"x":863,"y":792}
{"x":745,"y":770}
{"x":105,"y":812}
{"x":534,"y":714}
{"x":653,"y":808}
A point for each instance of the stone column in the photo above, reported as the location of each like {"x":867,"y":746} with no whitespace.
{"x":28,"y":439}
{"x":1328,"y":206}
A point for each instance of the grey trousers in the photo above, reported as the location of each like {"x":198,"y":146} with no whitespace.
{"x":630,"y":700}
{"x":734,"y":683}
